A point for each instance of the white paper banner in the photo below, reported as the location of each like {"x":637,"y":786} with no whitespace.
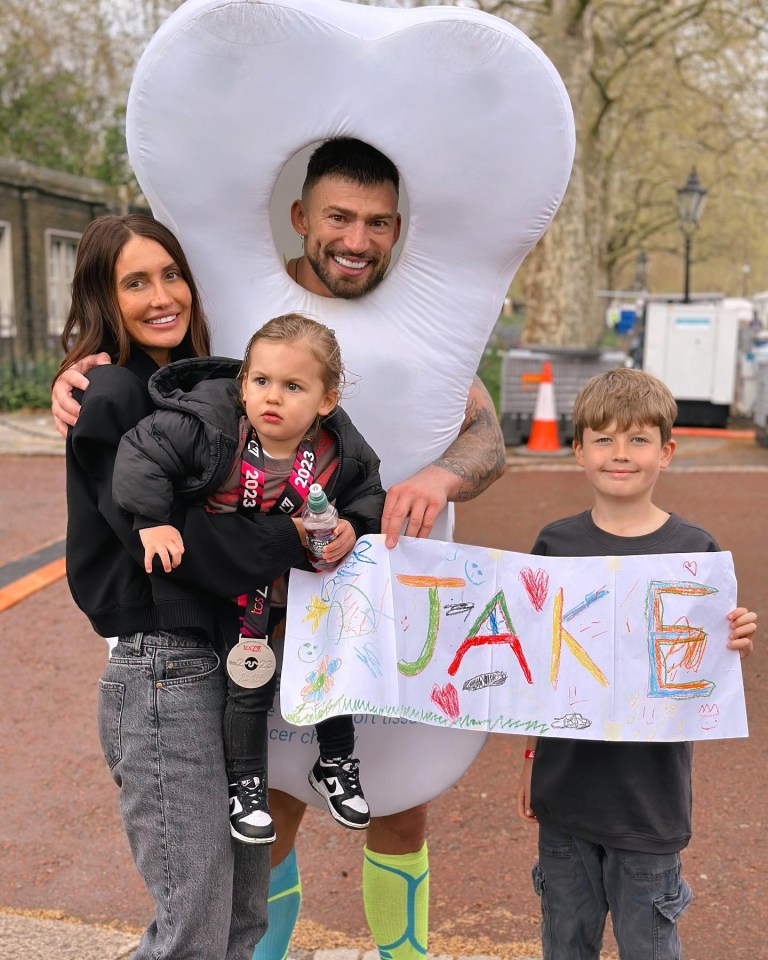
{"x":598,"y":648}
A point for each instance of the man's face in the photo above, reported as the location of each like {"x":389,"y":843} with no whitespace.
{"x":349,"y":231}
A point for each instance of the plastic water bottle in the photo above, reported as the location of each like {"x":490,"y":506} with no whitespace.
{"x":320,"y":519}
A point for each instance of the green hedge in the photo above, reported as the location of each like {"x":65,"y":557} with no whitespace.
{"x":26,"y":386}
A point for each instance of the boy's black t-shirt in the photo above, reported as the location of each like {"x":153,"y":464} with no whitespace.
{"x":633,"y":796}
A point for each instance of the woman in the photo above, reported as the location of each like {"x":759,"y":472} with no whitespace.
{"x":162,"y":695}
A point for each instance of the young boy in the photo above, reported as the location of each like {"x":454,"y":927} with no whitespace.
{"x":613,"y":817}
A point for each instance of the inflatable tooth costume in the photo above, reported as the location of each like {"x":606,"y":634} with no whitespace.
{"x":228,"y":100}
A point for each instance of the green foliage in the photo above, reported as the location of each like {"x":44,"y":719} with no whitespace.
{"x":26,"y":386}
{"x":505,"y":334}
{"x":65,"y":67}
{"x":46,"y":117}
{"x":489,"y":371}
{"x":113,"y":167}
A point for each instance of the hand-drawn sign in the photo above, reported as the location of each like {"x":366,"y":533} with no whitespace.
{"x":625,"y":632}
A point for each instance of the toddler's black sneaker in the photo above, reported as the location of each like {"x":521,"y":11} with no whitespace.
{"x":249,"y":817}
{"x":338,"y":783}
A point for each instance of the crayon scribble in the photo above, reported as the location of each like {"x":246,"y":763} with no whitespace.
{"x":447,"y":698}
{"x":536,"y":586}
{"x":571,"y":721}
{"x":320,"y":681}
{"x":454,"y":609}
{"x":494,"y":679}
{"x":368,"y":654}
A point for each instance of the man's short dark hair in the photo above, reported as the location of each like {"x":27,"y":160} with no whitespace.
{"x":352,"y":160}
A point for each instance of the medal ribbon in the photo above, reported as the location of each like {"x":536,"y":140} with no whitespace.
{"x":254,"y":615}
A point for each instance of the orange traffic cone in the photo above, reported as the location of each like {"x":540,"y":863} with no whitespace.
{"x":544,"y":436}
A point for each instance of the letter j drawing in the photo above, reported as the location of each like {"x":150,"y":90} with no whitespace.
{"x":415,"y":667}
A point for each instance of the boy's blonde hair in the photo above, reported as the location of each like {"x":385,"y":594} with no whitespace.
{"x":626,"y":397}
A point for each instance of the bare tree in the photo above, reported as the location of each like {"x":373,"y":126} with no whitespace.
{"x":655,"y":87}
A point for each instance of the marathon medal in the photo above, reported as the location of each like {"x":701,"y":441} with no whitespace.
{"x":251,"y":662}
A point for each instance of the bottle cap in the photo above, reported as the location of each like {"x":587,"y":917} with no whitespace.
{"x":317,"y":500}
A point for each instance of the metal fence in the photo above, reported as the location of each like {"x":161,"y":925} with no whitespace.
{"x":571,"y":368}
{"x":761,"y":403}
{"x":26,"y":371}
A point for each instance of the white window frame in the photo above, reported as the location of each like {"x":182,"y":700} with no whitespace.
{"x":7,"y":311}
{"x":59,"y":274}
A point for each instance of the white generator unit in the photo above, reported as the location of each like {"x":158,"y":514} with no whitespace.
{"x":692,"y":347}
{"x":761,"y":401}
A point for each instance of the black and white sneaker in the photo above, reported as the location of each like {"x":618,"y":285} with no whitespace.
{"x":249,"y":818}
{"x":338,"y":783}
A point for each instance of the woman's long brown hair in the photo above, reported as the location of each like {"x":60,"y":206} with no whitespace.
{"x":94,"y":323}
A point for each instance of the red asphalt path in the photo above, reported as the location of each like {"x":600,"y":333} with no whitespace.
{"x":61,"y":842}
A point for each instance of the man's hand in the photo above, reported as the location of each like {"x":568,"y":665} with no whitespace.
{"x":64,"y":407}
{"x":343,"y":540}
{"x":164,"y":542}
{"x":743,"y":624}
{"x":420,"y":499}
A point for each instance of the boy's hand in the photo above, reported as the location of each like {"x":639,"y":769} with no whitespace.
{"x":164,"y":542}
{"x":64,"y":407}
{"x":343,"y":540}
{"x":743,"y":624}
{"x":524,"y":809}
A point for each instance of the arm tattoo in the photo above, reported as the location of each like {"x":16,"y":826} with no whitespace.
{"x":477,"y":456}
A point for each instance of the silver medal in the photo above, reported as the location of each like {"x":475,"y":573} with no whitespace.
{"x":251,"y":663}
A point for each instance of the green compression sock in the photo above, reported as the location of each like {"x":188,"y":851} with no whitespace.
{"x":282,"y":910}
{"x":396,"y":895}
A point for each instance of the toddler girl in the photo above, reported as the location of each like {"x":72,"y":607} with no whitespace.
{"x":253,"y":441}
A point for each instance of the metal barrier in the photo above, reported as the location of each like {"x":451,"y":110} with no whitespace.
{"x":571,"y":368}
{"x":761,"y":400}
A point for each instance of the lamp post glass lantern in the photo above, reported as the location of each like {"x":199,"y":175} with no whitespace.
{"x":690,"y":205}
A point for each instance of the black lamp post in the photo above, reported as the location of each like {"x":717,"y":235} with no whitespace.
{"x":690,"y":204}
{"x":641,"y":271}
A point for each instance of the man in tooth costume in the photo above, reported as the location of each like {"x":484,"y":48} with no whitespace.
{"x":480,"y":127}
{"x":348,"y":221}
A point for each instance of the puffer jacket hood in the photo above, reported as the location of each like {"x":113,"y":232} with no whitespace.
{"x":204,"y":387}
{"x":188,"y":446}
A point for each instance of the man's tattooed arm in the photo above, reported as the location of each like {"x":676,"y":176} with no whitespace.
{"x":472,"y":462}
{"x":477,"y":456}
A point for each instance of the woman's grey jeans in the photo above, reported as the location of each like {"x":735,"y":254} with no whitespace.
{"x":161,"y":707}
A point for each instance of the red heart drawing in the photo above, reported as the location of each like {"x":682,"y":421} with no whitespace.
{"x":536,"y":585}
{"x":447,"y":698}
{"x":692,"y":567}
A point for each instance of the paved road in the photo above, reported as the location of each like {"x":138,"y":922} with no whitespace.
{"x":61,"y":844}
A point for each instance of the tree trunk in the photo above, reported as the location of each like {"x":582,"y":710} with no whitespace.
{"x":561,"y":272}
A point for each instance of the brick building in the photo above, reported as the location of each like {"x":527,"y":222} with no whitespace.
{"x":42,"y":216}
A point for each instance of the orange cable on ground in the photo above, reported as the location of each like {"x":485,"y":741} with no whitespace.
{"x":37,"y":580}
{"x":723,"y":432}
